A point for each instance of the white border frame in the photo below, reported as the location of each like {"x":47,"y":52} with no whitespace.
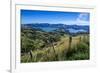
{"x":15,"y":40}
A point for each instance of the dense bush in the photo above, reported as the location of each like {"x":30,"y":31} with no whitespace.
{"x":32,"y":39}
{"x":80,"y":52}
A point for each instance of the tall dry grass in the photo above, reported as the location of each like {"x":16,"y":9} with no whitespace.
{"x":69,"y":48}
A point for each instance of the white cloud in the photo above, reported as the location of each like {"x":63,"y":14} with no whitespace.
{"x":82,"y":19}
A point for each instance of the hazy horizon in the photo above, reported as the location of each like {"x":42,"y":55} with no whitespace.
{"x":54,"y":24}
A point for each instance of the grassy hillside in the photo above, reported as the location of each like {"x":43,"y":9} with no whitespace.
{"x":40,"y":46}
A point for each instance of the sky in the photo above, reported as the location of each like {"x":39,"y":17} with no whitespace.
{"x":54,"y":17}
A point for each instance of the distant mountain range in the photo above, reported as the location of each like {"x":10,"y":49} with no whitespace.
{"x":52,"y":27}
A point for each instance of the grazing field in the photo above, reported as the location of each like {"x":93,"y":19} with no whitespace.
{"x":40,"y":46}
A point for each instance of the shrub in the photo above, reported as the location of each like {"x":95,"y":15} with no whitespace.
{"x":79,"y":52}
{"x":82,"y":47}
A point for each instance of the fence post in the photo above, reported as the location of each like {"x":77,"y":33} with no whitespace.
{"x":70,"y":41}
{"x":52,"y":45}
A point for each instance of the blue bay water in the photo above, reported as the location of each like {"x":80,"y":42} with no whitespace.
{"x":49,"y":29}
